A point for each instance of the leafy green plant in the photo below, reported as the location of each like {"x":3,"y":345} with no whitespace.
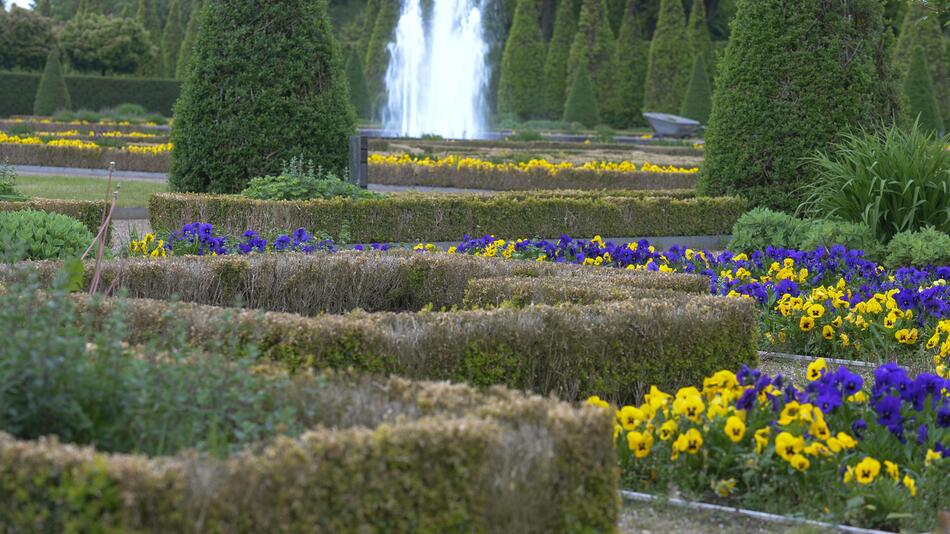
{"x":893,"y":181}
{"x":8,"y":190}
{"x":301,"y":180}
{"x":761,"y":228}
{"x":38,"y":235}
{"x":828,"y":233}
{"x":924,"y":247}
{"x":527,"y":134}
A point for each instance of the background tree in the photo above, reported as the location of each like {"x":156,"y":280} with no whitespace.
{"x":247,"y":105}
{"x":188,"y":41}
{"x":172,"y":37}
{"x":43,"y":7}
{"x":698,"y":101}
{"x":593,"y":47}
{"x":377,"y":56}
{"x":520,"y":88}
{"x":631,"y":60}
{"x":581,"y":105}
{"x":103,"y":44}
{"x":670,"y":61}
{"x":921,"y":27}
{"x":52,"y":94}
{"x":356,"y":80}
{"x":790,"y":81}
{"x":555,"y":64}
{"x":921,"y":104}
{"x":370,"y":12}
{"x":147,"y":16}
{"x":25,"y":39}
{"x":700,"y":41}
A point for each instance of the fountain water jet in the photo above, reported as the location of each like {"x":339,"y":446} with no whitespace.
{"x":438,"y":75}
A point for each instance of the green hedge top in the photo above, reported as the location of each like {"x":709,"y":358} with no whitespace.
{"x":88,"y":212}
{"x":418,"y":217}
{"x":89,"y":92}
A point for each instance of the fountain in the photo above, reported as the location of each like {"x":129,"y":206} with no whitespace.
{"x":438,"y":75}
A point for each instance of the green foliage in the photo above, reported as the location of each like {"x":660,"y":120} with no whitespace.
{"x":922,"y":28}
{"x":38,"y":235}
{"x":581,"y":105}
{"x":922,"y":105}
{"x":766,"y":116}
{"x":87,"y":212}
{"x":630,"y":57}
{"x":8,"y":192}
{"x":103,"y":44}
{"x":893,"y":181}
{"x":172,"y":37}
{"x":828,"y":233}
{"x":526,"y":134}
{"x":377,"y":56}
{"x":761,"y":228}
{"x":146,"y":14}
{"x":52,"y":94}
{"x":90,"y":92}
{"x":698,"y":100}
{"x":301,"y":180}
{"x":188,"y":41}
{"x":520,"y":89}
{"x":669,"y":62}
{"x":555,"y":63}
{"x":356,"y":80}
{"x":700,"y":41}
{"x":248,"y":104}
{"x":369,"y":15}
{"x":25,"y":39}
{"x":593,"y":47}
{"x":921,"y":248}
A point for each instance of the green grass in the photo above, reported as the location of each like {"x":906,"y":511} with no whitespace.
{"x":132,"y":193}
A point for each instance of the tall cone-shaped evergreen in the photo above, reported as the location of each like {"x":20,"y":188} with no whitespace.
{"x":52,"y":93}
{"x":249,"y":104}
{"x":147,"y":15}
{"x":920,"y":102}
{"x":377,"y":56}
{"x":520,"y":89}
{"x":581,"y":105}
{"x":171,"y":39}
{"x":631,"y":60}
{"x":188,"y":41}
{"x":615,"y":10}
{"x":922,"y":28}
{"x":767,"y":114}
{"x":593,"y":46}
{"x":700,"y":42}
{"x":555,"y":64}
{"x":356,"y":80}
{"x":698,"y":101}
{"x":369,"y":21}
{"x":670,"y":61}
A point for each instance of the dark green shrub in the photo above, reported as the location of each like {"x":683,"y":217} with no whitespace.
{"x":921,"y":28}
{"x":555,"y":63}
{"x":300,"y":180}
{"x":52,"y":94}
{"x":522,"y":65}
{"x":700,"y":42}
{"x":920,"y":248}
{"x":761,"y":228}
{"x":581,"y":105}
{"x":103,"y":44}
{"x":250,"y":103}
{"x":377,"y":55}
{"x":527,"y":134}
{"x":356,"y":80}
{"x":172,"y":36}
{"x":38,"y":235}
{"x":593,"y":47}
{"x":188,"y":41}
{"x":828,"y":233}
{"x":669,"y":62}
{"x":785,"y":89}
{"x":893,"y":181}
{"x":698,"y":100}
{"x":25,"y":40}
{"x":631,"y":56}
{"x":8,"y":190}
{"x":922,"y":105}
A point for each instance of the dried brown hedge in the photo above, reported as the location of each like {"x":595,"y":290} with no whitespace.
{"x":83,"y":158}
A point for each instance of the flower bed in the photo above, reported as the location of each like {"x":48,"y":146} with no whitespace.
{"x":86,"y":155}
{"x":833,"y":450}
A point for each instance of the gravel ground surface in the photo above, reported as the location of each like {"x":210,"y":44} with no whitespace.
{"x":662,"y":518}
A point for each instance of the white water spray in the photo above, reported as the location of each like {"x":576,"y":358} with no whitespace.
{"x":437,"y":75}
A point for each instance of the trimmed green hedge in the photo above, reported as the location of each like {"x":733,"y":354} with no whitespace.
{"x":406,"y":456}
{"x":415,"y":217}
{"x":89,"y":92}
{"x":88,"y":212}
{"x":83,"y":158}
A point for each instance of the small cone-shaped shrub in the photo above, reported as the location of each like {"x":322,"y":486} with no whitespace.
{"x":188,"y":42}
{"x":555,"y":64}
{"x":171,"y":40}
{"x":594,"y":47}
{"x":359,"y":97}
{"x":700,"y":42}
{"x":522,"y":65}
{"x":631,"y":60}
{"x":921,"y":27}
{"x":698,"y":101}
{"x":581,"y":106}
{"x":670,"y":61}
{"x":52,"y":93}
{"x":921,"y":104}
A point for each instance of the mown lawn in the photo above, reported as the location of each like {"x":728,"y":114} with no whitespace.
{"x":132,"y":193}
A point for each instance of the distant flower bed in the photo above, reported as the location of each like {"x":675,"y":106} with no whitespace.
{"x":456,"y":162}
{"x":63,"y":141}
{"x":834,"y":449}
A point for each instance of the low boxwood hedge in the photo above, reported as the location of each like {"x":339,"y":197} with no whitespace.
{"x":83,"y":158}
{"x":420,"y":217}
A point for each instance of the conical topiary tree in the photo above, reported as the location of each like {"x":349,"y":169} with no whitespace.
{"x":52,"y":93}
{"x":670,"y":61}
{"x":188,"y":41}
{"x":147,"y":15}
{"x":698,"y":101}
{"x":369,"y":21}
{"x":356,"y":80}
{"x":921,"y":104}
{"x":700,"y":42}
{"x":921,"y":27}
{"x":631,"y":60}
{"x":593,"y":46}
{"x":784,"y":89}
{"x":581,"y":105}
{"x":247,"y":105}
{"x":555,"y":64}
{"x":171,"y":40}
{"x":377,"y":56}
{"x":522,"y":65}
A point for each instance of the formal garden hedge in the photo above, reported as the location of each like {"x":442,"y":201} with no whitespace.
{"x":84,"y":127}
{"x":83,"y":158}
{"x":667,"y":331}
{"x":88,"y":212}
{"x":414,"y":217}
{"x":478,"y":146}
{"x":392,"y":456}
{"x":89,"y":92}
